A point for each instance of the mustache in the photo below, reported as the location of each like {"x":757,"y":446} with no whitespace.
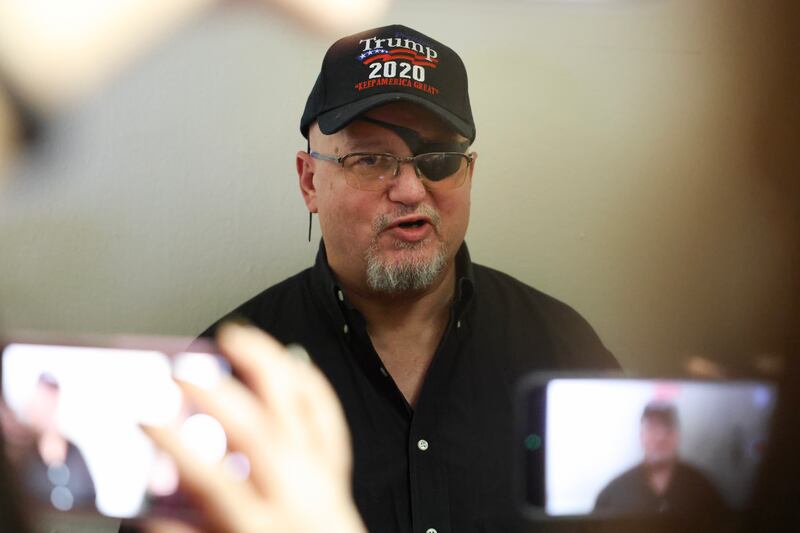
{"x":382,"y":222}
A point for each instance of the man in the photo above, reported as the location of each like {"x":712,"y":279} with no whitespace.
{"x":422,"y":346}
{"x":662,"y":482}
{"x":55,"y":470}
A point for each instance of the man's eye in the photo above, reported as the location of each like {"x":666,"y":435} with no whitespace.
{"x":367,"y":160}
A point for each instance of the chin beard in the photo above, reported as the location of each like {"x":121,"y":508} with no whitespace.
{"x":411,"y":274}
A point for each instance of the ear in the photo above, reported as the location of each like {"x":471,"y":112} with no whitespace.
{"x":305,"y":174}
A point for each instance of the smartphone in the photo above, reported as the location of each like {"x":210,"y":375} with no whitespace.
{"x":606,"y":447}
{"x":71,"y":411}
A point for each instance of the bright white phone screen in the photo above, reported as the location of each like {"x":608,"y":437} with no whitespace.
{"x":597,"y":431}
{"x":71,"y":416}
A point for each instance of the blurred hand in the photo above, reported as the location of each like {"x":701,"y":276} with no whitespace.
{"x":766,"y":365}
{"x":17,"y":437}
{"x":285,"y":417}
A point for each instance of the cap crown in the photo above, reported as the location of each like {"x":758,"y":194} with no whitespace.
{"x":388,"y":64}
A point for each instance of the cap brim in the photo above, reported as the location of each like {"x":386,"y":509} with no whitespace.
{"x":334,"y":120}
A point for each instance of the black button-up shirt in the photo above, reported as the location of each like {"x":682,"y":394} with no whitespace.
{"x":445,"y":464}
{"x":689,"y":492}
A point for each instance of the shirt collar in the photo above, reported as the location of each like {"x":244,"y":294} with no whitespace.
{"x":465,"y":281}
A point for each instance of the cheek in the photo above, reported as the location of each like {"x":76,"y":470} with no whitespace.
{"x":345,"y":216}
{"x":454,"y":210}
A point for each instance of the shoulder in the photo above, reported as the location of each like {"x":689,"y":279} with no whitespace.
{"x":624,"y":485}
{"x":272,"y":298}
{"x":500,"y":287}
{"x":631,"y":476}
{"x":502,"y":297}
{"x":693,"y":475}
{"x":699,"y":485}
{"x":267,"y":307}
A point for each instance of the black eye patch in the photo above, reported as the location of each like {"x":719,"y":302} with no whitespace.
{"x":437,"y":167}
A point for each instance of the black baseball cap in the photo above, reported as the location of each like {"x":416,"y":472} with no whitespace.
{"x":384,"y":65}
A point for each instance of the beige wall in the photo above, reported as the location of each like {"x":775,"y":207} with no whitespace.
{"x":637,"y":160}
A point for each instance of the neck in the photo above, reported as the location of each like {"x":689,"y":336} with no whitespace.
{"x":659,"y":476}
{"x":661,"y":466}
{"x":405,"y":328}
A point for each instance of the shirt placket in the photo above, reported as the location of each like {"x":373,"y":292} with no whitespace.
{"x":430,"y":499}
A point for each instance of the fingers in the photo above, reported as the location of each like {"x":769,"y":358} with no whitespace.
{"x":161,"y":525}
{"x":286,"y":418}
{"x":264,"y":366}
{"x":701,"y":367}
{"x":296,"y":395}
{"x":217,"y":493}
{"x":324,"y":416}
{"x":248,"y":427}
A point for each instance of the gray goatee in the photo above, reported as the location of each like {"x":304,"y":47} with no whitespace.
{"x":410,"y":274}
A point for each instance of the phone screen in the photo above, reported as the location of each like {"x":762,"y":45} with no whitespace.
{"x":71,"y":415}
{"x":608,"y":446}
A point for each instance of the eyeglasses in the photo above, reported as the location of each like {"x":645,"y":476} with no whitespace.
{"x":373,"y":172}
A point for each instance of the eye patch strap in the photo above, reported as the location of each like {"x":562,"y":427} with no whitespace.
{"x":415,"y":142}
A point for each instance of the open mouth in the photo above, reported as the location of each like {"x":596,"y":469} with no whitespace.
{"x":412,"y":228}
{"x":412,"y":224}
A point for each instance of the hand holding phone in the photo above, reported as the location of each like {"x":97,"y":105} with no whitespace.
{"x":285,"y":417}
{"x":267,"y":451}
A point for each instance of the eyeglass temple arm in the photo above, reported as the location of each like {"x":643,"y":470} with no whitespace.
{"x":317,"y":155}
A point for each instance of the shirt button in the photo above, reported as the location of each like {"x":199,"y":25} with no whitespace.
{"x":458,"y":324}
{"x":431,"y":530}
{"x":340,"y":294}
{"x":422,"y":444}
{"x":345,"y":328}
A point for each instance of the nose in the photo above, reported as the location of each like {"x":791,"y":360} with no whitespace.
{"x":406,"y":187}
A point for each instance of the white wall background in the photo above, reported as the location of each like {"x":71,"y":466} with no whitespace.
{"x":635,"y":161}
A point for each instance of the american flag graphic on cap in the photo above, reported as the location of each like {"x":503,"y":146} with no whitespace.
{"x":397,"y":54}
